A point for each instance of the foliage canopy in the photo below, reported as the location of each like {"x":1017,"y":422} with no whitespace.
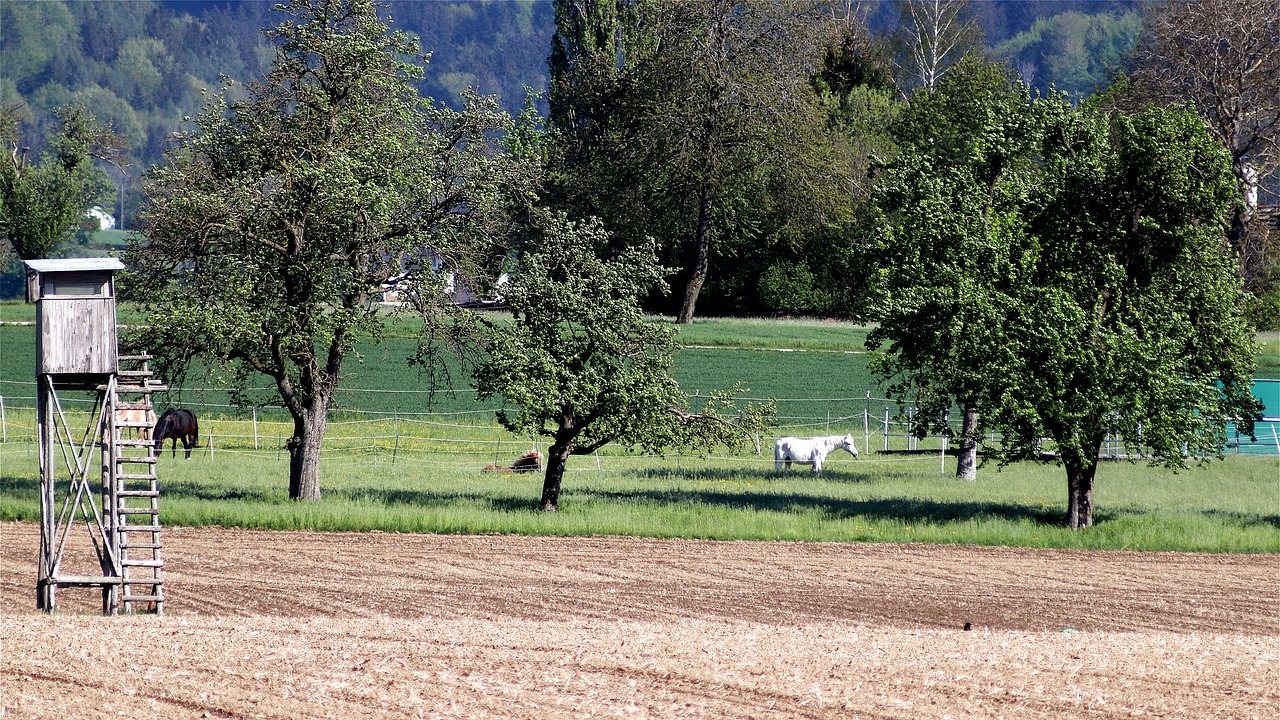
{"x":580,"y":364}
{"x":291,"y":205}
{"x":1062,"y":269}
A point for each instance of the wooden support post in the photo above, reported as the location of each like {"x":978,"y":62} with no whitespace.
{"x":46,"y":589}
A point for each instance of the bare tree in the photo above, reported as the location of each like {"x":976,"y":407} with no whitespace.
{"x":933,"y":35}
{"x":1224,"y":59}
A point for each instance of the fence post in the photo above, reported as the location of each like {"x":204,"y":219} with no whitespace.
{"x":255,"y":428}
{"x":866,"y":423}
{"x":4,"y":428}
{"x":942,"y":457}
{"x":886,"y":429}
{"x":210,"y":444}
{"x":396,"y":448}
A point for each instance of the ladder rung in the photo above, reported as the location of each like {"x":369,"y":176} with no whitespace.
{"x":134,"y":443}
{"x":138,"y":493}
{"x":86,"y":580}
{"x":143,"y":356}
{"x":134,"y":476}
{"x":138,"y":511}
{"x":138,"y":389}
{"x":138,"y":528}
{"x":127,"y":424}
{"x":142,"y":563}
{"x":140,"y":546}
{"x":143,"y":598}
{"x":146,"y":460}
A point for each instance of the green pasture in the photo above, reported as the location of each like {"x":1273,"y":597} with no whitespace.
{"x":401,"y":456}
{"x":436,"y":484}
{"x":817,"y":371}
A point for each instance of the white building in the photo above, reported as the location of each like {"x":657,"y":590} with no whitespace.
{"x":103,"y":218}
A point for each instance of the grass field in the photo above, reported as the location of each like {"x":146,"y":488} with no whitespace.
{"x":1231,"y":505}
{"x":815,"y":369}
{"x":400,"y":458}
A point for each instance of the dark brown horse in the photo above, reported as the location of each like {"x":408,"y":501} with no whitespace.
{"x":176,"y":424}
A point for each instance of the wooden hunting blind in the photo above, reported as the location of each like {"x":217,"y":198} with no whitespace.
{"x":77,"y":355}
{"x":76,"y":313}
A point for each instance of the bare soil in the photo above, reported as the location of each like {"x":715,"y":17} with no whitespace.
{"x":333,"y":625}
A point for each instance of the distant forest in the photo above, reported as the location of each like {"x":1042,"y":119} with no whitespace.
{"x":144,"y":64}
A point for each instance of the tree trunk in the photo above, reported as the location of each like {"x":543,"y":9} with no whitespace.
{"x":967,"y":462}
{"x":557,"y":458}
{"x":304,"y":451}
{"x":1080,"y":474}
{"x":701,"y":257}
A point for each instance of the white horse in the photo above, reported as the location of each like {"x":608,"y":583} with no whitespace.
{"x":810,"y":450}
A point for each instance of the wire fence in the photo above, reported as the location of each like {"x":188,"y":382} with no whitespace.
{"x":879,"y":423}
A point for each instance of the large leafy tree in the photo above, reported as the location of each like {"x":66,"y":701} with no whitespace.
{"x":695,"y":123}
{"x":42,"y":202}
{"x":1129,"y":315}
{"x":595,"y":46}
{"x":593,"y":43}
{"x":580,"y":365}
{"x":731,"y":130}
{"x":1064,"y":268}
{"x":292,"y":202}
{"x":948,"y":215}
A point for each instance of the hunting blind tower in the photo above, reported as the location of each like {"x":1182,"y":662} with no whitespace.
{"x":77,"y":359}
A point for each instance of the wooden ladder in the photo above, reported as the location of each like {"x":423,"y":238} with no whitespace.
{"x":134,"y":516}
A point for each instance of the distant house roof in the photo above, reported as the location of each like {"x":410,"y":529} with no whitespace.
{"x":75,"y":264}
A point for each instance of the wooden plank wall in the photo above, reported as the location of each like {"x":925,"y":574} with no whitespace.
{"x":77,"y":336}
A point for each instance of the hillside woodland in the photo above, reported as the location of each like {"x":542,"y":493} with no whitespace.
{"x":146,"y":65}
{"x":145,"y":69}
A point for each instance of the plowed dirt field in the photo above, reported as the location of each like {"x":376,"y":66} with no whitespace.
{"x":327,"y":625}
